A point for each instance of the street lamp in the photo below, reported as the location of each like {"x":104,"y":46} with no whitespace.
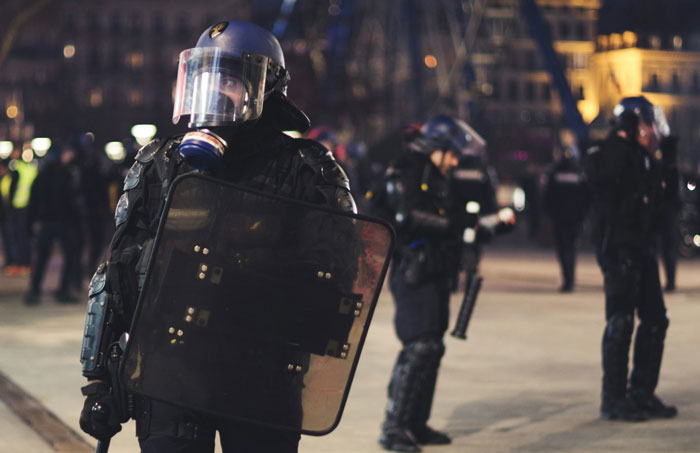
{"x":115,"y":151}
{"x":41,"y":145}
{"x":143,"y":133}
{"x":6,"y":148}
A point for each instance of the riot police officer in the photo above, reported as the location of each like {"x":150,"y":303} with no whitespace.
{"x":417,"y":199}
{"x":628,"y":187}
{"x":566,"y":199}
{"x":668,"y":149}
{"x":472,"y":181}
{"x":232,"y":85}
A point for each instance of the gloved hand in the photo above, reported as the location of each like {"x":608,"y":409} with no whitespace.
{"x":99,"y":417}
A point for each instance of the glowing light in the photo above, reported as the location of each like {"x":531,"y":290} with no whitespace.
{"x":12,"y":112}
{"x":115,"y":151}
{"x":677,"y":42}
{"x":6,"y":148}
{"x":519,"y":199}
{"x":143,"y":133}
{"x":27,"y":155}
{"x":691,"y":185}
{"x":469,"y":236}
{"x":629,"y":38}
{"x":69,"y":51}
{"x":696,"y":240}
{"x":41,"y":145}
{"x":430,"y":61}
{"x":473,"y":207}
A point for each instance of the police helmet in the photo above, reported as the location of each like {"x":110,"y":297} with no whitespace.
{"x":644,"y":110}
{"x":444,"y":132}
{"x":227,"y":76}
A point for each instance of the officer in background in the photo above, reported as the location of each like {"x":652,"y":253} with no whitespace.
{"x":628,"y":193}
{"x":472,"y":181}
{"x":417,"y":199}
{"x":668,"y":154}
{"x":237,"y":136}
{"x":566,"y":200}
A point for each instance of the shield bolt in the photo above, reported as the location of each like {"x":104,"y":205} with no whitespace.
{"x":205,"y":251}
{"x":298,"y":368}
{"x":180,"y":332}
{"x":171,"y":330}
{"x":328,"y":275}
{"x":320,"y":274}
{"x":197,"y":248}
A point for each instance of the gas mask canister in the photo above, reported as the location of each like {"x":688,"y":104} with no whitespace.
{"x":202,"y":149}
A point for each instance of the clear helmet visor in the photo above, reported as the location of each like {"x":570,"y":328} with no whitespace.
{"x":216,"y":89}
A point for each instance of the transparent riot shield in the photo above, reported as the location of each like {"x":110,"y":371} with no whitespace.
{"x":255,"y":307}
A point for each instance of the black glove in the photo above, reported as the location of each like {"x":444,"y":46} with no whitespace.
{"x":99,"y":417}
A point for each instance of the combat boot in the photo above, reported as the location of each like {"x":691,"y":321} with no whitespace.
{"x":429,"y":436}
{"x":624,"y":409}
{"x":648,"y":351}
{"x":397,"y":439}
{"x":653,"y":407}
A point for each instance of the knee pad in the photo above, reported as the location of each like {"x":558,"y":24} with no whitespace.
{"x":619,"y":326}
{"x":424,"y":350}
{"x":654,"y":329}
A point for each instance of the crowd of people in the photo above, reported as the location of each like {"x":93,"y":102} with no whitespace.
{"x":61,"y":199}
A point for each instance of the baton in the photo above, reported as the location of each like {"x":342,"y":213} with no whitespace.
{"x":467,"y":308}
{"x":102,"y":446}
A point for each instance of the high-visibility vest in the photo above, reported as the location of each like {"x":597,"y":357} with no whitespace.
{"x":5,"y":185}
{"x":27,"y":175}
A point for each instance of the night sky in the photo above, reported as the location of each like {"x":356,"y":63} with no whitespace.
{"x":654,"y":16}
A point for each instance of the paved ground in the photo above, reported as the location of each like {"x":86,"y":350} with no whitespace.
{"x":526,"y":380}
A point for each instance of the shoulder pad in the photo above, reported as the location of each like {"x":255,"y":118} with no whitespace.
{"x":148,"y":151}
{"x":133,"y":176}
{"x":312,"y":152}
{"x":332,"y":173}
{"x":121,"y":212}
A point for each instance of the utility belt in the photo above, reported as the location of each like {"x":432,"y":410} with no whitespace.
{"x":169,"y":424}
{"x":421,"y":261}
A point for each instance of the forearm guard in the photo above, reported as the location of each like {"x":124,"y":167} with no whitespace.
{"x":99,"y":332}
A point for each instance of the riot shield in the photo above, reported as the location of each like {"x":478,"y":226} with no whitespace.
{"x":255,"y":307}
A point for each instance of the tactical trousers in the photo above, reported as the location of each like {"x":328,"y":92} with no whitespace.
{"x":50,"y":232}
{"x":565,"y":244}
{"x":164,"y":428}
{"x":412,"y":384}
{"x":631,"y":282}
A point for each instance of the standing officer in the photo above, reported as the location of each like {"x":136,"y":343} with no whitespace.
{"x":628,"y":187}
{"x":668,"y":149}
{"x":566,"y":199}
{"x":232,"y":86}
{"x":417,"y":199}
